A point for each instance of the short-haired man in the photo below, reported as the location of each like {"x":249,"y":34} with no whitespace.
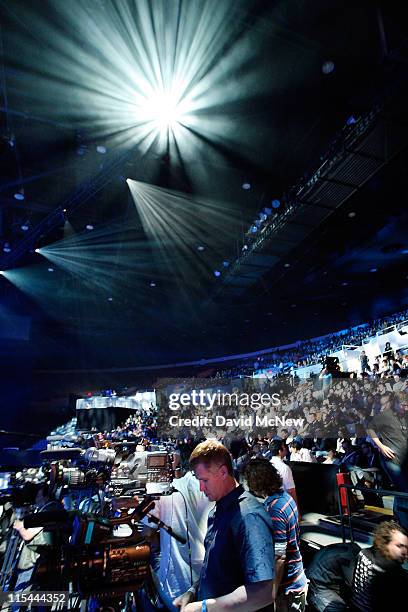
{"x":264,"y":481}
{"x":380,"y":582}
{"x":278,"y":451}
{"x":238,"y":570}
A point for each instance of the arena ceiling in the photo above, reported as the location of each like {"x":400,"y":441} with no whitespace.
{"x":141,"y":139}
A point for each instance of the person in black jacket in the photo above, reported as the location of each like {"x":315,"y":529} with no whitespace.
{"x":380,"y":583}
{"x":331,"y":575}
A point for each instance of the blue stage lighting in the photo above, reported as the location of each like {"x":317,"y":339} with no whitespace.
{"x":275,"y":203}
{"x":217,"y":273}
{"x":246,"y":186}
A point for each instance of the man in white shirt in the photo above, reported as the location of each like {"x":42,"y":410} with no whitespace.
{"x":180,"y":565}
{"x":278,"y":451}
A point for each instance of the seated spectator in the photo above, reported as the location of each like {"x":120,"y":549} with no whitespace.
{"x":240,"y":452}
{"x":388,"y":351}
{"x":293,"y":434}
{"x":384,"y":368}
{"x":343,"y":435}
{"x":299,"y":453}
{"x":312,"y":425}
{"x":376,"y":370}
{"x":399,"y":384}
{"x":265,"y":449}
{"x":395,"y":366}
{"x":331,"y":457}
{"x":351,"y":454}
{"x":369,"y":456}
{"x":360,"y":434}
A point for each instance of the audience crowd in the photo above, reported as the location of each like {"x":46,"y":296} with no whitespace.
{"x":311,"y":352}
{"x":357,"y":421}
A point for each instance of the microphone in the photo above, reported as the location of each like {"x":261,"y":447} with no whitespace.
{"x":167,"y":528}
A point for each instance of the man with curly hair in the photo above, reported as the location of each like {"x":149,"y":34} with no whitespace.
{"x":380,"y":583}
{"x":264,"y":481}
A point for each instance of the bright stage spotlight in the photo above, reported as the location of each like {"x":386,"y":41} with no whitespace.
{"x":157,"y":76}
{"x":163,"y":109}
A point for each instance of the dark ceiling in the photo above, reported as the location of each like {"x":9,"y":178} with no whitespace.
{"x":278,"y":82}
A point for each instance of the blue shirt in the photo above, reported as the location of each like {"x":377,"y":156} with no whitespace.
{"x":239,"y":546}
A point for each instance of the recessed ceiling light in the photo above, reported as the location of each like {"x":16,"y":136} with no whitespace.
{"x":328,"y":67}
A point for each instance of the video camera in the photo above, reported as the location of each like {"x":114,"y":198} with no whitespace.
{"x":143,"y":472}
{"x":95,"y":561}
{"x":21,"y":488}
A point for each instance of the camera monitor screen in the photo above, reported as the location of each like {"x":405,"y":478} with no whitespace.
{"x":156,"y":461}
